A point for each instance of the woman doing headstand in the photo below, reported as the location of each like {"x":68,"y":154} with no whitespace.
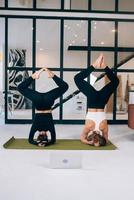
{"x":43,"y":120}
{"x":96,"y":99}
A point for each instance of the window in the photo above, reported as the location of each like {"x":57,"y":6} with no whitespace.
{"x":128,"y":57}
{"x":48,"y":43}
{"x":126,"y":5}
{"x":20,"y":42}
{"x":18,"y":106}
{"x":48,"y":4}
{"x":75,"y":35}
{"x":125,"y":34}
{"x":102,"y":33}
{"x":79,"y":5}
{"x":2,"y":53}
{"x":75,"y":108}
{"x":107,"y":5}
{"x":2,"y":3}
{"x":20,"y":3}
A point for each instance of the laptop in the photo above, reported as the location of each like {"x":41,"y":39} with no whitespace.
{"x":65,"y":160}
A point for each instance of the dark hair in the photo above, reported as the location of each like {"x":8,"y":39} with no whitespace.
{"x":91,"y":136}
{"x":102,"y":141}
{"x":99,"y":138}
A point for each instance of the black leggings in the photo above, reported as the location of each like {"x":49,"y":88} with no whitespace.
{"x":42,"y":122}
{"x":96,"y":99}
{"x":43,"y":101}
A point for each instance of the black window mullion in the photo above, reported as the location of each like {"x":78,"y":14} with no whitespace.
{"x":70,"y":5}
{"x":62,"y":5}
{"x":34,"y":4}
{"x":115,"y":64}
{"x":89,"y":51}
{"x":33,"y":57}
{"x":6,"y":64}
{"x":116,"y":5}
{"x":6,"y":4}
{"x":89,"y":5}
{"x":61,"y":61}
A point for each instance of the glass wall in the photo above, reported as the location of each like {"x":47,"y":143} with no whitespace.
{"x":66,"y":50}
{"x":2,"y":64}
{"x":109,"y":57}
{"x":2,"y":3}
{"x":79,"y":5}
{"x":20,"y":42}
{"x":75,"y":35}
{"x":108,"y":5}
{"x":125,"y":30}
{"x":48,"y":43}
{"x":124,"y":56}
{"x":20,"y":33}
{"x":76,"y":107}
{"x":18,"y":106}
{"x":106,"y":32}
{"x":48,"y":4}
{"x":20,"y":3}
{"x":126,"y":5}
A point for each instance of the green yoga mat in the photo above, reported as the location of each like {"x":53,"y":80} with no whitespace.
{"x":64,"y":144}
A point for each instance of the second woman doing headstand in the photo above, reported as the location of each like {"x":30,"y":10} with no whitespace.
{"x":95,"y":131}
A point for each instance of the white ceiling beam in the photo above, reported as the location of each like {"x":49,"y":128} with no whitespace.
{"x":67,"y":14}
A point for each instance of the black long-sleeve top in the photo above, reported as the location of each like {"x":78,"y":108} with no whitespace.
{"x":43,"y":101}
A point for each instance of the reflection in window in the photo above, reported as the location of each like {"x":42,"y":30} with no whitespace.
{"x":125,"y":35}
{"x":2,"y":3}
{"x":50,"y":4}
{"x":48,"y":43}
{"x":107,"y":5}
{"x":126,"y":5}
{"x":75,"y":34}
{"x":18,"y":106}
{"x":109,"y":106}
{"x":20,"y":42}
{"x":129,"y":57}
{"x":108,"y":57}
{"x":2,"y":44}
{"x":102,"y":33}
{"x":126,"y":83}
{"x":79,"y":5}
{"x":20,"y":3}
{"x":75,"y":108}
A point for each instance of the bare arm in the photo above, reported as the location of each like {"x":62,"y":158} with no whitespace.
{"x":105,"y":133}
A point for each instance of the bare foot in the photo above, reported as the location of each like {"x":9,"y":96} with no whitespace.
{"x":36,"y":75}
{"x":98,"y":62}
{"x":102,"y":64}
{"x":41,"y":144}
{"x":50,"y":73}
